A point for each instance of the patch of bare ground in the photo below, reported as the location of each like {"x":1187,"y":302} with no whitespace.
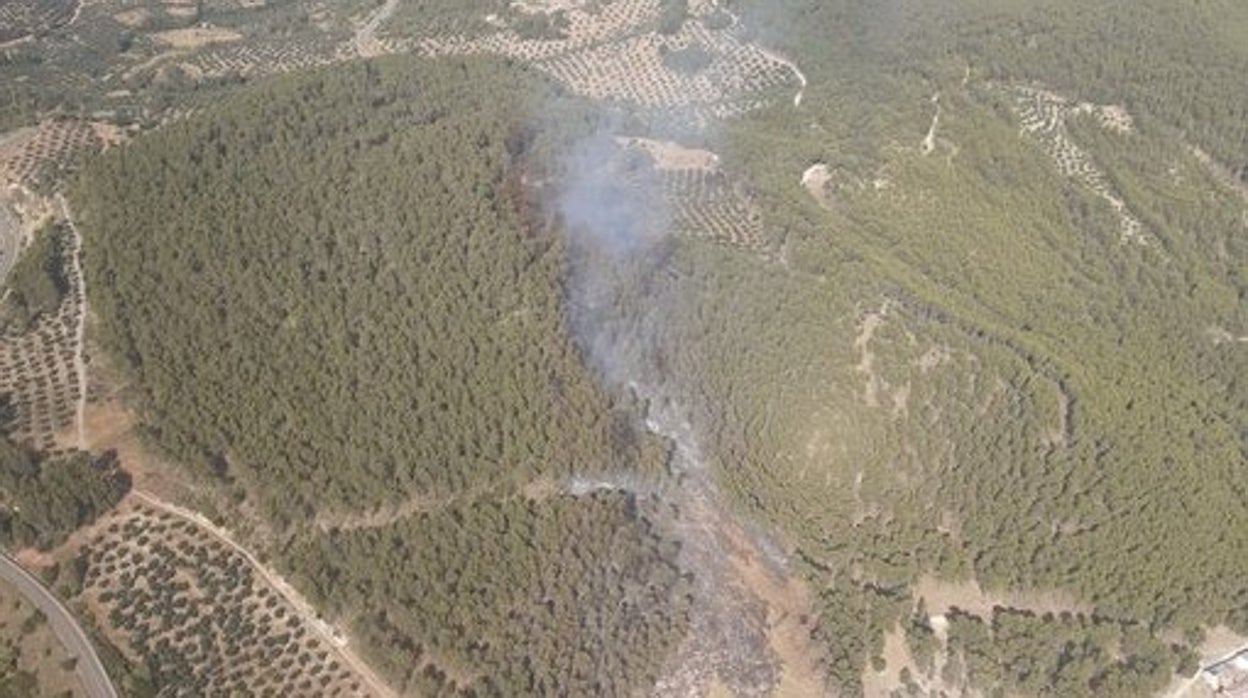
{"x":874,"y":384}
{"x":1220,"y":644}
{"x":790,"y":623}
{"x":940,"y":596}
{"x":752,"y":620}
{"x":902,"y":673}
{"x":816,"y":179}
{"x":134,"y":18}
{"x":896,"y":654}
{"x":1221,"y":641}
{"x":195,"y":37}
{"x":670,"y":155}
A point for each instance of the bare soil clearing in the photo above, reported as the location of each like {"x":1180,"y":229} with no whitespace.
{"x":941,"y":596}
{"x":195,"y":37}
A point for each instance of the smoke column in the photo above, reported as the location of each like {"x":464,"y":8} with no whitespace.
{"x":623,"y":298}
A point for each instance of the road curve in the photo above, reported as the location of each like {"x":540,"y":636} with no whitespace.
{"x":90,"y":671}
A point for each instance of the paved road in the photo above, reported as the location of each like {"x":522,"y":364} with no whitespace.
{"x":90,"y":671}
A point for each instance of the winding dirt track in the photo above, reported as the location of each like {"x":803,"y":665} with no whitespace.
{"x":366,"y":43}
{"x":89,"y":668}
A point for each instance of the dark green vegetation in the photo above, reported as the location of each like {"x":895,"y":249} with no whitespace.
{"x":42,"y":502}
{"x":365,"y":313}
{"x":36,"y":282}
{"x":333,"y":295}
{"x":1024,"y":654}
{"x":565,"y":596}
{"x":1040,"y":405}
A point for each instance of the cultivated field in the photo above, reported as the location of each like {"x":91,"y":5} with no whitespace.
{"x":612,"y":52}
{"x":22,"y":18}
{"x":705,"y":201}
{"x":1044,"y":116}
{"x":40,"y":367}
{"x":178,"y":597}
{"x":43,"y":154}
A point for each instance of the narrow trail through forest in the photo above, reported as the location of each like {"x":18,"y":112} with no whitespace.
{"x":366,"y":43}
{"x":79,"y":283}
{"x":929,"y":141}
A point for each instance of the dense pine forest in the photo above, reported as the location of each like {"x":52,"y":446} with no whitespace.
{"x":338,"y":297}
{"x":347,"y":276}
{"x":43,"y":500}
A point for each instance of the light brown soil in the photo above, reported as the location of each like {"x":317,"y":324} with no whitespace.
{"x":940,"y":596}
{"x":133,"y":18}
{"x":790,"y":624}
{"x":195,"y":37}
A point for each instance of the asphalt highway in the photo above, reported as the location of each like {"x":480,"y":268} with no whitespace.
{"x":90,"y":671}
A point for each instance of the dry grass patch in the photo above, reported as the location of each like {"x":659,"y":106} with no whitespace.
{"x":195,"y":37}
{"x":940,"y":596}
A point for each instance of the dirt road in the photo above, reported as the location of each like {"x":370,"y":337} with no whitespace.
{"x":90,"y":671}
{"x":366,"y":43}
{"x":80,"y":327}
{"x":10,"y":240}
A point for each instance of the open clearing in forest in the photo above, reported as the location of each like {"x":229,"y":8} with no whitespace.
{"x":941,"y":596}
{"x":705,"y":202}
